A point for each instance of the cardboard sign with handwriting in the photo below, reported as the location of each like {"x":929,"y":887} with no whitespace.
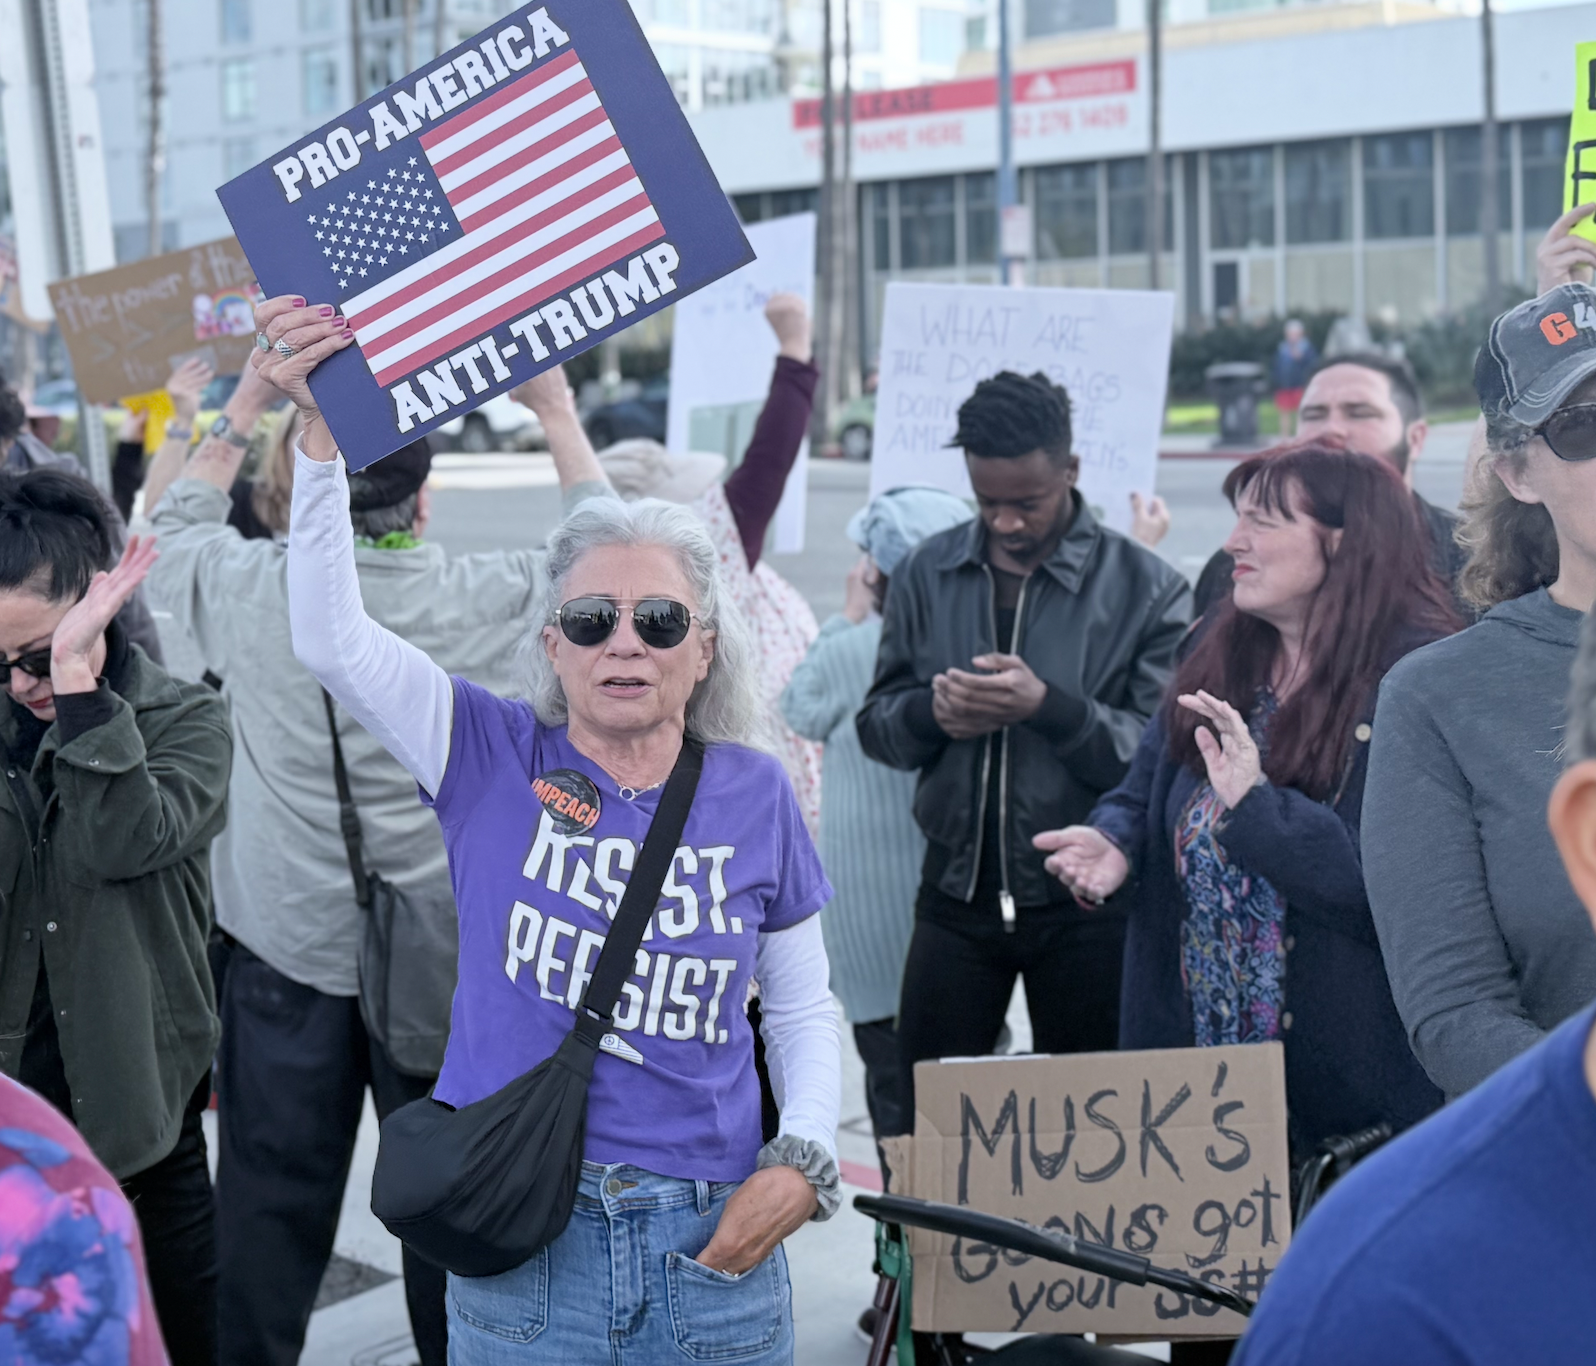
{"x":127,"y":328}
{"x":1178,"y":1155}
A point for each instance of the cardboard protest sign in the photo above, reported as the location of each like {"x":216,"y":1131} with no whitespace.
{"x":1579,"y":180}
{"x":1178,"y":1155}
{"x":1109,"y":348}
{"x":510,"y":204}
{"x":723,"y":352}
{"x":126,"y":328}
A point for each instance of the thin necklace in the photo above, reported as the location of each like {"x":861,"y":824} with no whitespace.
{"x":631,"y":794}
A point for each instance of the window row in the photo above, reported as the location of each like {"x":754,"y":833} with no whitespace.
{"x":1403,"y":196}
{"x":1411,"y":184}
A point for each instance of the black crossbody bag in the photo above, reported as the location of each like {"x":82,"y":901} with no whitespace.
{"x":409,"y":945}
{"x":480,"y":1189}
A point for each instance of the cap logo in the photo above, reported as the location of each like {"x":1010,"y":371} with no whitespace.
{"x":1556,"y":328}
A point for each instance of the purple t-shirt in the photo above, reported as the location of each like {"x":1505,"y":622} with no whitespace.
{"x":674,"y":1090}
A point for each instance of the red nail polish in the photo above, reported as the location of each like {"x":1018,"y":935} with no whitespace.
{"x":338,"y":322}
{"x":348,"y":335}
{"x":326,"y":310}
{"x":298,"y":302}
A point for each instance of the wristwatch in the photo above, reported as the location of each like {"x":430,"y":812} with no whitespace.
{"x":179,"y":431}
{"x":224,"y":429}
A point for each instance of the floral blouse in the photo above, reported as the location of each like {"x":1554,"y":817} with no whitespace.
{"x":1233,"y":960}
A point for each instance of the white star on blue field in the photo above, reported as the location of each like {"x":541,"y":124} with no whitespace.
{"x":377,"y":219}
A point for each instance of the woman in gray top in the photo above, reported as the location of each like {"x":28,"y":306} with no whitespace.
{"x":1486,"y":945}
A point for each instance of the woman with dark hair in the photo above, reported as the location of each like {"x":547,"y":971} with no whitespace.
{"x":1239,"y":817}
{"x":115,"y":785}
{"x":1487,"y":945}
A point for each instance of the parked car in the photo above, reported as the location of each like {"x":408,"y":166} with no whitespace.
{"x":853,"y":427}
{"x":637,"y":410}
{"x":500,"y":424}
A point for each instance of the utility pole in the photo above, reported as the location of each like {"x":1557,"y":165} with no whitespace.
{"x":1007,"y":183}
{"x":848,"y":322}
{"x":155,"y":166}
{"x":1155,"y":140}
{"x":1489,"y":199}
{"x":409,"y":52}
{"x":440,"y":28}
{"x":357,"y":82}
{"x":820,"y":417}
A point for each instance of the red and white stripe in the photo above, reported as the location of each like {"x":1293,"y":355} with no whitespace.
{"x":545,"y":195}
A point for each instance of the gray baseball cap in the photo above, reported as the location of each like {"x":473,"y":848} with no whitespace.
{"x":1537,"y":354}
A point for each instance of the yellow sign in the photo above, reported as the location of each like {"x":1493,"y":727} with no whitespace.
{"x":158,"y":405}
{"x":1579,"y":179}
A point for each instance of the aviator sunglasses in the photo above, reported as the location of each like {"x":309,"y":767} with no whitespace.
{"x":659,"y":622}
{"x":35,"y":663}
{"x":1571,"y":432}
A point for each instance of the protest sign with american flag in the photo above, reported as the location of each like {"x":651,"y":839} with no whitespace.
{"x":511,"y":204}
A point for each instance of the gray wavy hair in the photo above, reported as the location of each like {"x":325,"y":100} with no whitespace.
{"x":725,"y":707}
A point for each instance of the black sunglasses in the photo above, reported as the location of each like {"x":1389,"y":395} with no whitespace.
{"x":35,"y":663}
{"x":1571,"y":432}
{"x":659,"y":622}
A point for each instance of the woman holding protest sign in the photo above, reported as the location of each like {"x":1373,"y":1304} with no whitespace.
{"x":1239,"y":819}
{"x":641,"y":677}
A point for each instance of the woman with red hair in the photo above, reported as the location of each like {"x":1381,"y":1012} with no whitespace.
{"x":1235,"y":834}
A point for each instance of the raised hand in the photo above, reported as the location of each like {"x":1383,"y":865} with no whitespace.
{"x":78,"y":633}
{"x":1229,"y":752}
{"x":788,"y":317}
{"x":312,"y":331}
{"x":1561,"y":258}
{"x":187,"y":383}
{"x":546,"y":394}
{"x":1149,"y":520}
{"x":859,"y":596}
{"x":1085,"y":860}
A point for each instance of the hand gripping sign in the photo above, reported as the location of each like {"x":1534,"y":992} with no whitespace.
{"x":507,"y":206}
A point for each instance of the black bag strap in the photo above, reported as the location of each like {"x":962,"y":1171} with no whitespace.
{"x":619,"y":953}
{"x":348,"y":816}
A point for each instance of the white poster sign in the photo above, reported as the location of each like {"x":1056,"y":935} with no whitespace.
{"x":1109,"y":348}
{"x":723,"y":353}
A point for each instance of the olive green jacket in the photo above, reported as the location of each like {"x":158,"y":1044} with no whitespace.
{"x":116,"y":893}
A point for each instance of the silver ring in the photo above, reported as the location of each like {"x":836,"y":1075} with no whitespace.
{"x":262,"y":341}
{"x":285,"y":350}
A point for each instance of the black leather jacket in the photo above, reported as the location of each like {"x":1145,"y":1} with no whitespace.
{"x":1099,"y":622}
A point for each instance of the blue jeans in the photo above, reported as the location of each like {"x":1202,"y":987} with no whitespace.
{"x":620,"y":1287}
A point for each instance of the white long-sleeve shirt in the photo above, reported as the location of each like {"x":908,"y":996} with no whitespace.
{"x":408,"y":704}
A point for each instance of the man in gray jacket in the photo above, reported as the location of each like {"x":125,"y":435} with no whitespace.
{"x":1021,"y":657}
{"x":296,"y":1056}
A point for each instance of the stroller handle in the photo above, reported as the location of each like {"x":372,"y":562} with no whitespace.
{"x":1050,"y":1244}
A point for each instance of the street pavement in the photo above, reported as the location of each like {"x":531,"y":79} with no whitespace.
{"x":491,"y":502}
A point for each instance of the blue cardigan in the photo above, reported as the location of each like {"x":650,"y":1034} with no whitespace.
{"x":1348,"y":1063}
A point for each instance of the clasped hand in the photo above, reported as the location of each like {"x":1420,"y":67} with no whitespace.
{"x":967,"y":705}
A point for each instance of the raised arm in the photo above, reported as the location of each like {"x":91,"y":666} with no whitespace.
{"x":754,"y":488}
{"x":216,"y":459}
{"x":550,"y":397}
{"x":387,"y":684}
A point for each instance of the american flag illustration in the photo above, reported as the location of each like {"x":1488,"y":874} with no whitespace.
{"x":441,"y":237}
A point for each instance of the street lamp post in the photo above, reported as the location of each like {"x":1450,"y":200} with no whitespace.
{"x":1008,"y":196}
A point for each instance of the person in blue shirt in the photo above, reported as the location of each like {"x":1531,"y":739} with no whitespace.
{"x":1468,"y":1240}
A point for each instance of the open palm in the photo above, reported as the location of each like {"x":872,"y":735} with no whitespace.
{"x":1085,"y":860}
{"x":1229,"y":752}
{"x":79,"y":631}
